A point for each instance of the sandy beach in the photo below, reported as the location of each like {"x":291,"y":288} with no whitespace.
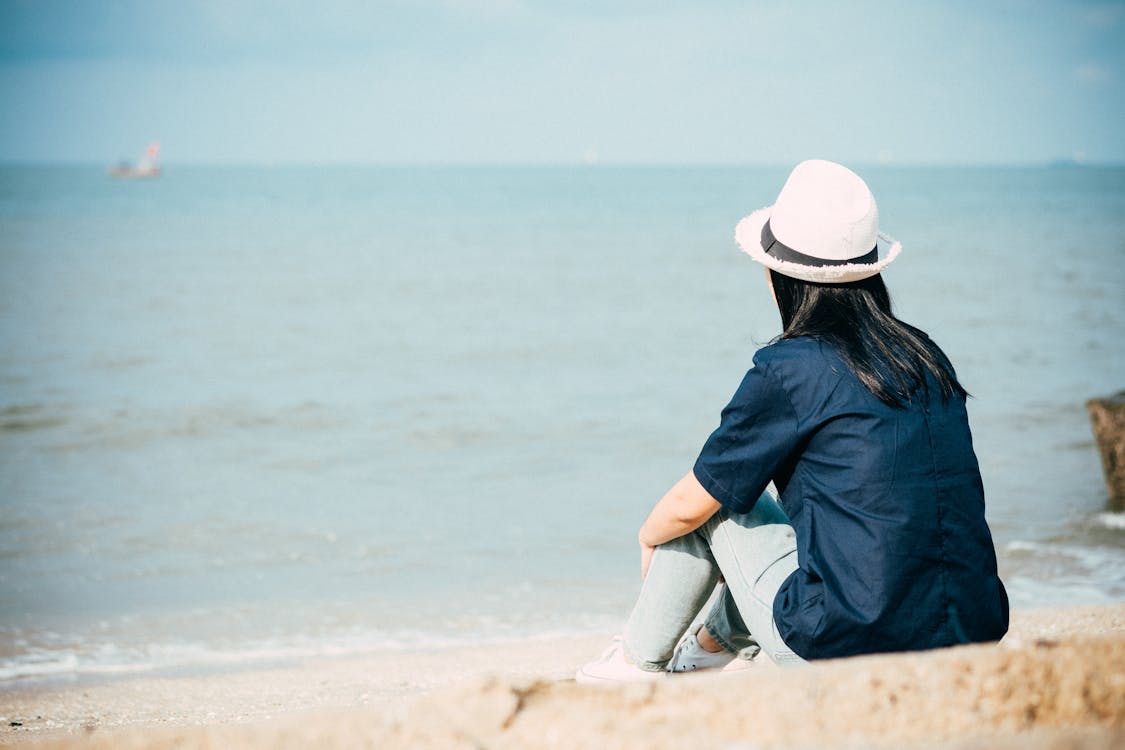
{"x":1056,"y":681}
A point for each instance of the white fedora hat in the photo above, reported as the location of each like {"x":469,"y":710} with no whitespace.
{"x":824,"y":227}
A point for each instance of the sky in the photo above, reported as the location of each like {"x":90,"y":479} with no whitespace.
{"x":563,"y":82}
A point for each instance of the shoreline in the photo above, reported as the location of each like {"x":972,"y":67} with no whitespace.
{"x":184,"y":697}
{"x":1052,"y":657}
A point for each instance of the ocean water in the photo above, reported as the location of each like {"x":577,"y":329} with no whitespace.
{"x":250,"y":414}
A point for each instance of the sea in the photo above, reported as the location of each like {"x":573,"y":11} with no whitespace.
{"x":257,"y":414}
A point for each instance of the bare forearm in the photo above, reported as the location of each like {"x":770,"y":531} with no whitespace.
{"x":664,"y":524}
{"x":683,"y":509}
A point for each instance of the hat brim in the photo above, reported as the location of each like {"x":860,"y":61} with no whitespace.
{"x":748,"y":234}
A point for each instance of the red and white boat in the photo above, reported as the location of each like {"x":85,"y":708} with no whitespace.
{"x":146,"y":167}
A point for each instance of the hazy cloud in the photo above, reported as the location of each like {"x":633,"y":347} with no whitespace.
{"x":1092,"y":74}
{"x":541,"y":81}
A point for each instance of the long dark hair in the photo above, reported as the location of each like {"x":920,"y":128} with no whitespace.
{"x":891,"y":358}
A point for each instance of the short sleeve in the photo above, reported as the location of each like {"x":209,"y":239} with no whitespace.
{"x":757,"y":432}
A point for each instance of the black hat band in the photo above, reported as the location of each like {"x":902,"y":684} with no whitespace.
{"x":781,"y":251}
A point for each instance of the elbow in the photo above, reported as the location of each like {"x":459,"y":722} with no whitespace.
{"x":688,"y":514}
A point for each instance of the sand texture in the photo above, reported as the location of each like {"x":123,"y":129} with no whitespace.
{"x":1057,"y":681}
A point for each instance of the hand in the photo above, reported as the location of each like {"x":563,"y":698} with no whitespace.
{"x":646,"y":558}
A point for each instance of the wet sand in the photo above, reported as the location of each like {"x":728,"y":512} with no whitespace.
{"x":1056,"y":681}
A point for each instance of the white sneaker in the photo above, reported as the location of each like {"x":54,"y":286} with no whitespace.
{"x":690,"y":656}
{"x":611,"y":666}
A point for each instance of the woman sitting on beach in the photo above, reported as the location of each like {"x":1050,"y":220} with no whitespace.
{"x":879,"y":542}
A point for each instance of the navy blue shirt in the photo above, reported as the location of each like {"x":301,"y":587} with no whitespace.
{"x":893,"y":549}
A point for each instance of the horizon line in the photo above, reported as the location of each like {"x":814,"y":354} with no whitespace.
{"x":374,"y":163}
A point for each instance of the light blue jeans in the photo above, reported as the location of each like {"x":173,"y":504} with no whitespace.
{"x":754,"y":552}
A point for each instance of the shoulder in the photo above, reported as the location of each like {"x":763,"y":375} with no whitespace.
{"x":798,"y":358}
{"x":808,"y":371}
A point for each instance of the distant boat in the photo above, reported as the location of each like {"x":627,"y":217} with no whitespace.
{"x":146,"y":167}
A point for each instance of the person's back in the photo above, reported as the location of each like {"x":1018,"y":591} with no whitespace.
{"x":893,"y":549}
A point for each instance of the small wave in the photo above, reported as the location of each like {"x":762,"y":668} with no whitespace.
{"x":108,"y":659}
{"x":1039,"y":573}
{"x":35,"y":665}
{"x":27,"y":418}
{"x":1092,"y":557}
{"x":1111,"y":520}
{"x":1026,"y":592}
{"x":1021,"y":546}
{"x":131,"y":427}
